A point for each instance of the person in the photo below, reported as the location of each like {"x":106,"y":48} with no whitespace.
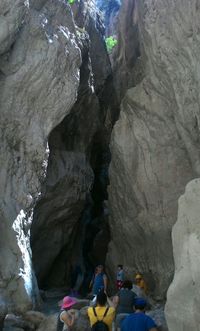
{"x":120,"y":276}
{"x":66,"y":316}
{"x":138,"y":321}
{"x":102,"y":312}
{"x":124,"y":301}
{"x":99,"y":281}
{"x":141,"y":283}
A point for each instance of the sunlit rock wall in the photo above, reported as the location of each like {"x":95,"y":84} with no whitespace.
{"x":183,"y":296}
{"x":155,"y":142}
{"x":39,"y":77}
{"x":74,"y":148}
{"x":125,"y":56}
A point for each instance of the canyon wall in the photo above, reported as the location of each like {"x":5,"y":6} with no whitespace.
{"x":155,"y":142}
{"x":183,"y":303}
{"x":57,"y":108}
{"x":39,"y":79}
{"x":70,"y":209}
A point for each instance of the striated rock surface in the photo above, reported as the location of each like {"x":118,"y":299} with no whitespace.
{"x":76,"y":147}
{"x":125,"y":57}
{"x":183,"y":303}
{"x":155,"y":142}
{"x":39,"y":77}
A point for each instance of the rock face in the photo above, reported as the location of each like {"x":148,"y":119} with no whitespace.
{"x":155,"y":142}
{"x":183,"y":303}
{"x":125,"y":57}
{"x":39,"y":77}
{"x":66,"y":206}
{"x":121,"y":22}
{"x":56,"y":116}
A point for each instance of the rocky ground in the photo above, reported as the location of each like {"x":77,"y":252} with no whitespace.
{"x":46,"y":318}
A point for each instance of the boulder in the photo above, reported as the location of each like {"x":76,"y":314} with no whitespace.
{"x":34,"y":317}
{"x":14,"y":321}
{"x":49,"y":323}
{"x":183,"y":296}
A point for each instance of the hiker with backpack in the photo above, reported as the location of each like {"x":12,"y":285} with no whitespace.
{"x":66,"y":316}
{"x":101,"y":316}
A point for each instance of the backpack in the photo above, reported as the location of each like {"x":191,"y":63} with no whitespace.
{"x":100,"y":325}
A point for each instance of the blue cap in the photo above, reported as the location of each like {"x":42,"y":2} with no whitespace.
{"x":140,"y":302}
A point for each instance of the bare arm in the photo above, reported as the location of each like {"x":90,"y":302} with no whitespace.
{"x":110,"y":302}
{"x":105,"y":282}
{"x":153,"y":329}
{"x":67,"y":318}
{"x":115,"y":301}
{"x":91,"y":282}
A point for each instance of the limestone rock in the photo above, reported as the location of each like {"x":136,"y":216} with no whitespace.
{"x":72,"y":162}
{"x":82,"y":322}
{"x":183,"y":296}
{"x":12,"y":14}
{"x":13,"y":321}
{"x":155,"y":142}
{"x":34,"y":317}
{"x":39,"y":77}
{"x":125,"y":56}
{"x":157,"y":314}
{"x":49,"y":323}
{"x":3,"y":312}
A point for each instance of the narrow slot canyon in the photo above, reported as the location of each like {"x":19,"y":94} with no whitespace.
{"x":100,"y":157}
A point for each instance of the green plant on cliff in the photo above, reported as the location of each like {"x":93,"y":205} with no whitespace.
{"x":110,"y":43}
{"x":71,"y":1}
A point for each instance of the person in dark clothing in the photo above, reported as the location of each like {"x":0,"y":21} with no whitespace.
{"x":124,"y":301}
{"x":138,"y":321}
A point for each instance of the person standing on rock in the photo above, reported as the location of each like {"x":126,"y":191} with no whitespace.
{"x":120,"y":276}
{"x":99,"y":281}
{"x":138,"y":321}
{"x":141,"y":283}
{"x":66,"y":317}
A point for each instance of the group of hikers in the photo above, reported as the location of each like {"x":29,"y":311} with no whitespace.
{"x":125,"y":311}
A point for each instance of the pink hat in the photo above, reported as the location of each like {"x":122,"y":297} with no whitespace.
{"x":68,"y":302}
